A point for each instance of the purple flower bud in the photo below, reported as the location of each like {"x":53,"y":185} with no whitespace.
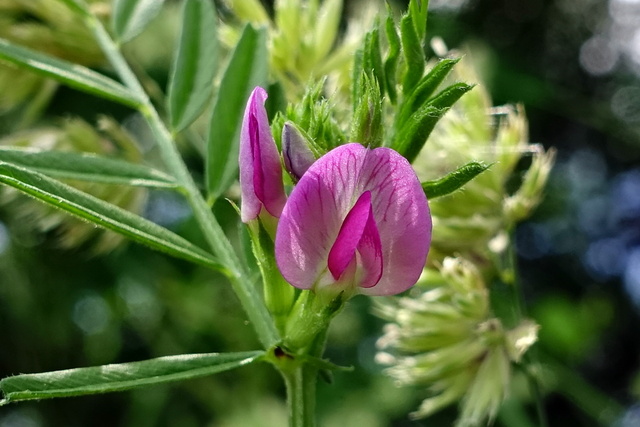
{"x":357,"y":218}
{"x":296,"y":154}
{"x":260,"y":170}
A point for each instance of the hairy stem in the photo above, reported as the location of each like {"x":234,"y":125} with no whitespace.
{"x":301,"y":395}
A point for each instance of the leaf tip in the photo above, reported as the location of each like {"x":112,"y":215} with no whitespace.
{"x":6,"y":400}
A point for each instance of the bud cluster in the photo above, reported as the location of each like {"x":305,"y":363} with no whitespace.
{"x":448,"y":338}
{"x":305,"y":41}
{"x":473,"y":221}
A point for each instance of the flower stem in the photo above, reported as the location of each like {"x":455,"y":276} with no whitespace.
{"x":301,"y":379}
{"x":301,"y":395}
{"x":511,"y":277}
{"x":508,"y":304}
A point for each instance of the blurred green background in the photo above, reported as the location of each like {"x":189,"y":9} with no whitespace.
{"x":574,"y":64}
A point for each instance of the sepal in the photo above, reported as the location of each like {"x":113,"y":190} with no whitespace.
{"x":278,"y":294}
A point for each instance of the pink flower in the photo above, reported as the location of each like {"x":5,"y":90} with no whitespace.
{"x":260,"y":170}
{"x":357,"y":218}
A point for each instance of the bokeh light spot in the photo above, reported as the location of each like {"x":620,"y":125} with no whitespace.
{"x":631,"y":417}
{"x":142,"y":302}
{"x":625,"y":12}
{"x":626,"y":196}
{"x":625,"y":104}
{"x":606,"y":258}
{"x":598,"y":56}
{"x":632,"y":276}
{"x":4,"y":238}
{"x":447,"y":5}
{"x":586,"y":171}
{"x":533,"y":240}
{"x":167,"y":209}
{"x":91,"y":314}
{"x":593,"y":213}
{"x":634,"y":47}
{"x":21,"y":418}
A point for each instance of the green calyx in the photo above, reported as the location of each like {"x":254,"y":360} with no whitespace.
{"x":310,"y":317}
{"x":278,"y":294}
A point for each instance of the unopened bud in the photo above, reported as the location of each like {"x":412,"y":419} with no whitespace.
{"x":520,"y":205}
{"x":521,"y":338}
{"x":296,"y":153}
{"x":367,"y":119}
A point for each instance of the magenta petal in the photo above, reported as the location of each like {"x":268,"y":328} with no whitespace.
{"x":258,"y":175}
{"x":349,"y":236}
{"x":260,"y":170}
{"x":370,"y":250}
{"x":313,"y":215}
{"x":403,"y":218}
{"x":320,"y":203}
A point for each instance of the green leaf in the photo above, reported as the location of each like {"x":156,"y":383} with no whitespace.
{"x":372,"y":60}
{"x":86,"y":167}
{"x":418,"y":10}
{"x":356,"y":76}
{"x":73,"y":75}
{"x":246,"y":70}
{"x":104,"y":214}
{"x":450,"y":95}
{"x":425,"y":88}
{"x":130,"y":17}
{"x":325,"y":364}
{"x":326,"y":28}
{"x":413,"y":54}
{"x":123,"y":376}
{"x":391,"y":63}
{"x":454,"y":180}
{"x":195,"y":64}
{"x":76,"y":7}
{"x":414,"y":133}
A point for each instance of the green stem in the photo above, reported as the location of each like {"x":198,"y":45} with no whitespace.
{"x":157,"y":96}
{"x":584,"y":395}
{"x":237,"y":273}
{"x":534,"y":386}
{"x":509,"y":273}
{"x":301,"y":395}
{"x":301,"y":380}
